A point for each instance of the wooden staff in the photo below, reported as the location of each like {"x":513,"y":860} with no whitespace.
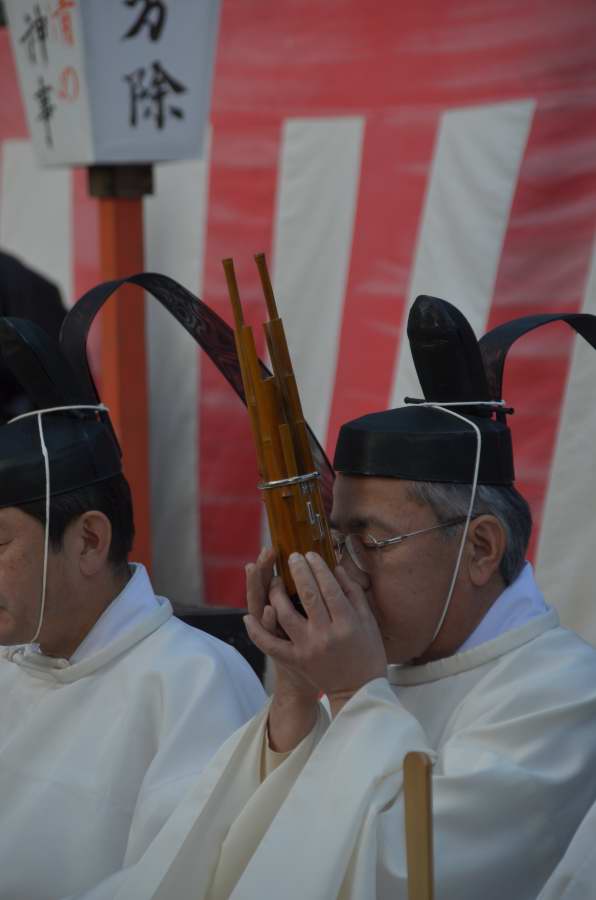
{"x":419,"y":825}
{"x":289,"y":480}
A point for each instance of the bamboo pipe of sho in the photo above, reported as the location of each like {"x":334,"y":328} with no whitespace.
{"x":289,"y":480}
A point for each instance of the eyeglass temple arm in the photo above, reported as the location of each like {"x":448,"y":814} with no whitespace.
{"x":401,"y":537}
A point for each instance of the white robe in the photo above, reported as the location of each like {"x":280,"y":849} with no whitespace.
{"x":575,"y":876}
{"x":96,"y":752}
{"x":511,"y":727}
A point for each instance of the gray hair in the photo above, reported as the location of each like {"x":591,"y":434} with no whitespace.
{"x":449,"y":501}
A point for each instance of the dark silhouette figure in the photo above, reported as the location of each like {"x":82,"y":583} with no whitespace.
{"x":26,"y":295}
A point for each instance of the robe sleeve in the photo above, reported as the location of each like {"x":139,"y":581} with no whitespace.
{"x":318,"y":841}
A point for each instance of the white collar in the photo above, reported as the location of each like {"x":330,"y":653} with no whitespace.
{"x":516,"y":617}
{"x":131,"y":617}
{"x":518,"y":603}
{"x":124,"y":612}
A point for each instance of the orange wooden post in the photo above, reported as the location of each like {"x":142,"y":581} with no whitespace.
{"x":122,"y":322}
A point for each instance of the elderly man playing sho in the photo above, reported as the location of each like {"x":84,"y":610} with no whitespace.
{"x":430,"y":635}
{"x":502,"y":698}
{"x":109,"y":706}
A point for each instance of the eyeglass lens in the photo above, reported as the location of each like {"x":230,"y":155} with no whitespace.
{"x":356,"y":549}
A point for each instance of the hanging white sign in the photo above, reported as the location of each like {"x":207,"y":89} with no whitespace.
{"x":114,"y":81}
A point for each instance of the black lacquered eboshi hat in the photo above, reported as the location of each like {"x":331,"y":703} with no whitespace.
{"x":418,"y":442}
{"x":82,"y":447}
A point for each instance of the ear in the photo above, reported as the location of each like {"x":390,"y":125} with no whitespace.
{"x":488,"y":544}
{"x":90,"y":540}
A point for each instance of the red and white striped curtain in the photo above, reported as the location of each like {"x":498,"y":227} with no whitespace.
{"x":375,"y":151}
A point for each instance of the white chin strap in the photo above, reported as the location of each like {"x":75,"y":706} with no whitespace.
{"x":46,"y":462}
{"x":444,"y":407}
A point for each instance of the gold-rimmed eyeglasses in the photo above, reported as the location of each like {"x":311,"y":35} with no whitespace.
{"x":361,"y":548}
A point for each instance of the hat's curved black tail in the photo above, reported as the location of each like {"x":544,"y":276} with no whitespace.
{"x":496,"y":343}
{"x":210,"y":332}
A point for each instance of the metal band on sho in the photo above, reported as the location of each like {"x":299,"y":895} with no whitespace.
{"x":284,"y":482}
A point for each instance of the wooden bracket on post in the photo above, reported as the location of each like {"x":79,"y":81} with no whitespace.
{"x":120,"y":182}
{"x":120,"y":191}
